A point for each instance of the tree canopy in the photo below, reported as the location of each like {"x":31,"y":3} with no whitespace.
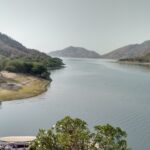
{"x":74,"y":134}
{"x":35,"y":66}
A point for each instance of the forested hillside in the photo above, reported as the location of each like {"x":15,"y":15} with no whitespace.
{"x":15,"y":57}
{"x":143,"y":59}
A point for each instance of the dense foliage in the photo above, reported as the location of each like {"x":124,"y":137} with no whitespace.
{"x":35,"y":66}
{"x":73,"y":134}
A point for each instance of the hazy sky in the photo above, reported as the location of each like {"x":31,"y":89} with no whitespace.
{"x":101,"y":25}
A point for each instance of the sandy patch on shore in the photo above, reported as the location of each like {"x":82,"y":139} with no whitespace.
{"x":21,"y":86}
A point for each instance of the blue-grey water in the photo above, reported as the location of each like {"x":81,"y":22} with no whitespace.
{"x":97,"y":91}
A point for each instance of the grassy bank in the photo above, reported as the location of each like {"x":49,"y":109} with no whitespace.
{"x":27,"y":86}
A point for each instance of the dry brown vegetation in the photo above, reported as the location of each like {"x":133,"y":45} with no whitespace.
{"x":29,"y":86}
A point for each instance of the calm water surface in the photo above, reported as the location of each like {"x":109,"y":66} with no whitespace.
{"x":95,"y":90}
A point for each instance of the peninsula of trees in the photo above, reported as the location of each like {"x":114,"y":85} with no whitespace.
{"x":15,"y":57}
{"x":24,"y":72}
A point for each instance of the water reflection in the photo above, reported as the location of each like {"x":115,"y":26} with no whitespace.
{"x":97,"y":91}
{"x":0,"y":104}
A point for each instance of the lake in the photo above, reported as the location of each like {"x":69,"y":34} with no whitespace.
{"x":98,"y":91}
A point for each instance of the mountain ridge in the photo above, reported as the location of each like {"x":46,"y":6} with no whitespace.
{"x":129,"y":51}
{"x":75,"y":52}
{"x":12,"y":48}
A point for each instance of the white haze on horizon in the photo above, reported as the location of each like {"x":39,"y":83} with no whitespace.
{"x":100,"y":25}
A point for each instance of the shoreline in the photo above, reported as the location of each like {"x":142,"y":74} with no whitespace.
{"x":134,"y":63}
{"x":21,"y":86}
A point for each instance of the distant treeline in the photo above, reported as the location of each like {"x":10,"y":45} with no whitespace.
{"x":142,"y":59}
{"x":137,"y":59}
{"x":39,"y":67}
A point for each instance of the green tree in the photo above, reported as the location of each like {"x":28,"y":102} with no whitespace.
{"x":73,"y":134}
{"x":107,"y":137}
{"x":45,"y":140}
{"x":38,"y":68}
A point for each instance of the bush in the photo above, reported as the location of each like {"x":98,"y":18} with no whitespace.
{"x":33,"y":68}
{"x":37,"y":65}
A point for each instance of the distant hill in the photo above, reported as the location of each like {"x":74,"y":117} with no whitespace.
{"x":129,"y":51}
{"x":75,"y":52}
{"x":12,"y":48}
